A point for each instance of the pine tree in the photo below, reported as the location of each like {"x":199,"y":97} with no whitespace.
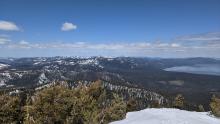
{"x":82,"y":105}
{"x":215,"y":106}
{"x":131,"y":105}
{"x":10,"y":109}
{"x":179,"y":101}
{"x":117,"y":110}
{"x":51,"y":105}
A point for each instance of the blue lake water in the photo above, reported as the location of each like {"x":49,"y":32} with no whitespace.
{"x":208,"y":69}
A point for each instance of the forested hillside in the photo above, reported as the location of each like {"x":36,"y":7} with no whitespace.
{"x":59,"y":104}
{"x":91,"y":103}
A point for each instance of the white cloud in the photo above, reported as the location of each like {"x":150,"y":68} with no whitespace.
{"x":162,"y":44}
{"x":68,"y":26}
{"x":21,"y":45}
{"x":8,"y":26}
{"x":135,"y":47}
{"x":4,"y":40}
{"x":151,"y":49}
{"x":210,"y":40}
{"x":175,"y":45}
{"x":180,"y":48}
{"x":204,"y":37}
{"x":23,"y":42}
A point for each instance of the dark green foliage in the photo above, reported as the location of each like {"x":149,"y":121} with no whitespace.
{"x":116,"y":110}
{"x":51,"y":105}
{"x":61,"y":105}
{"x":82,"y":105}
{"x":132,"y":105}
{"x":10,"y":110}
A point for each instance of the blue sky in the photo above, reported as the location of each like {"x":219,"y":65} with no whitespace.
{"x":155,"y":28}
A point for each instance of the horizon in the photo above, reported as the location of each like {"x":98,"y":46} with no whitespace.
{"x":88,"y":57}
{"x":145,"y":28}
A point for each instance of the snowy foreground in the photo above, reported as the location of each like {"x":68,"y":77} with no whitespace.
{"x":167,"y":116}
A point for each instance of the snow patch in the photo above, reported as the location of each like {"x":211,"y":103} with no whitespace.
{"x":6,"y":74}
{"x":37,"y":63}
{"x":72,"y":63}
{"x":43,"y":79}
{"x":89,"y":61}
{"x":14,"y":92}
{"x":167,"y":116}
{"x":2,"y":83}
{"x":3,"y":66}
{"x":19,"y":75}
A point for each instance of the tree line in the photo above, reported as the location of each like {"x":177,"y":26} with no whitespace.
{"x":90,"y":104}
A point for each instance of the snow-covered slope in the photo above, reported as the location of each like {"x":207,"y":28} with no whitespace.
{"x":167,"y":116}
{"x":3,"y":66}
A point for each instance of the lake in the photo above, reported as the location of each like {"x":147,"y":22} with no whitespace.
{"x":208,"y":69}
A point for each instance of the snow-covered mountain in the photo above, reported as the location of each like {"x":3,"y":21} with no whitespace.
{"x":168,"y":116}
{"x":134,"y":76}
{"x":3,"y":66}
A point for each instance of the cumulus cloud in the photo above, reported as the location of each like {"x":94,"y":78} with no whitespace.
{"x":67,"y":26}
{"x":8,"y":26}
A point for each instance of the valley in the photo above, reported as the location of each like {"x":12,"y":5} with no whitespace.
{"x":120,"y":73}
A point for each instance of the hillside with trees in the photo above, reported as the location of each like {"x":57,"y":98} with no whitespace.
{"x":84,"y":104}
{"x":62,"y":105}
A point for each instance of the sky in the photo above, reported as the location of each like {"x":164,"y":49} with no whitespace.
{"x":136,"y":28}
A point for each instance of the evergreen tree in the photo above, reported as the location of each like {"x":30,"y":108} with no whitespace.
{"x":179,"y":101}
{"x":215,"y":106}
{"x":10,"y":109}
{"x":117,"y":110}
{"x":131,"y":105}
{"x":82,"y":105}
{"x":51,"y":105}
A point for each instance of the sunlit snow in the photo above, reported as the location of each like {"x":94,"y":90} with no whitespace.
{"x":168,"y":116}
